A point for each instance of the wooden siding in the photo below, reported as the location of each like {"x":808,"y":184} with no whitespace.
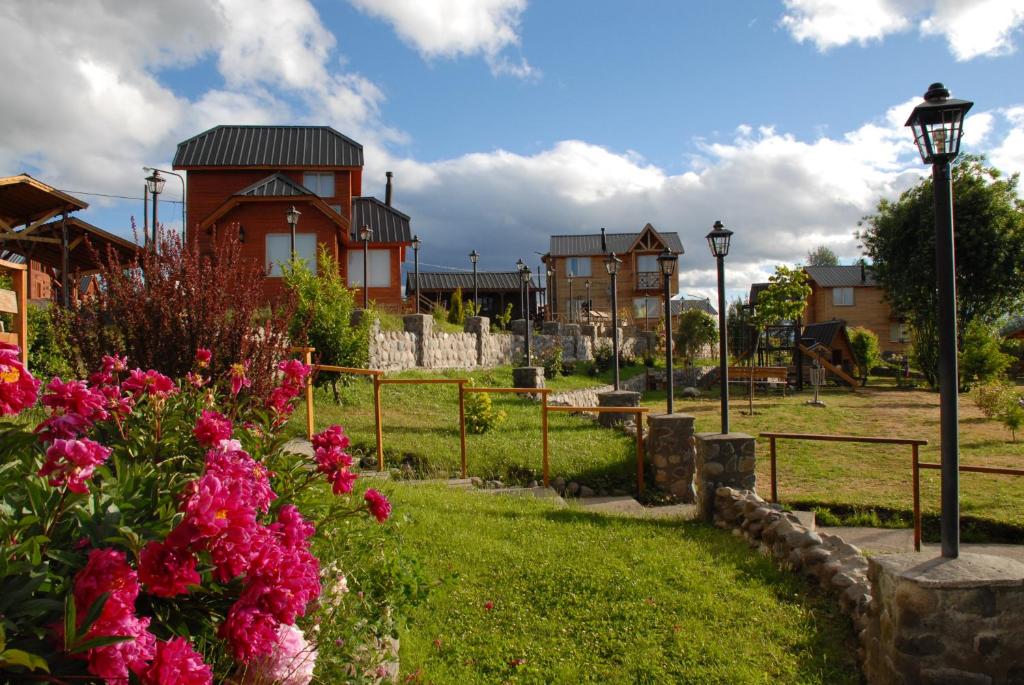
{"x":600,"y":285}
{"x":869,"y":310}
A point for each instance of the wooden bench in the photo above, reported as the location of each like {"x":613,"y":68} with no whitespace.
{"x":764,"y":376}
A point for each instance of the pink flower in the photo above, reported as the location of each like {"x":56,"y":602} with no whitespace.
{"x":177,"y":663}
{"x":152,"y":383}
{"x":241,"y":472}
{"x":113,"y":662}
{"x":72,"y":462}
{"x":65,"y":426}
{"x":166,"y":570}
{"x":291,"y":662}
{"x":334,"y":436}
{"x":203,"y":357}
{"x":249,"y":631}
{"x":195,"y":380}
{"x":378,"y":505}
{"x":18,"y":388}
{"x":334,"y":463}
{"x":280,"y":401}
{"x":295,"y":372}
{"x":211,"y":428}
{"x":238,"y":377}
{"x":114,"y":363}
{"x":75,"y":397}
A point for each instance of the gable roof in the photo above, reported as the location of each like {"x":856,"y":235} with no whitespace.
{"x":24,"y":200}
{"x":275,"y":185}
{"x":590,"y":243}
{"x":755,"y":291}
{"x":841,"y":276}
{"x":824,"y":333}
{"x":680,"y":306}
{"x":268,"y":146}
{"x":389,"y":225}
{"x":488,"y":281}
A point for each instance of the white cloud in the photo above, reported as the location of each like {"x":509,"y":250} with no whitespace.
{"x":1008,"y":155}
{"x":972,"y":28}
{"x":457,"y":28}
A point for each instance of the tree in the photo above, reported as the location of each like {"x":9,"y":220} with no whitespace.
{"x":783,"y":300}
{"x":323,"y":316}
{"x":989,"y":237}
{"x":865,"y":350}
{"x":695,"y":330}
{"x":822,"y":255}
{"x":981,"y":359}
{"x":456,"y":312}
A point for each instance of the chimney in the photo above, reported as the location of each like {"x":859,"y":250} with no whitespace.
{"x":387,"y":189}
{"x":604,"y":245}
{"x":863,"y":272}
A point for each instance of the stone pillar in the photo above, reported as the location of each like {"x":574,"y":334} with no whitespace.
{"x":481,"y":327}
{"x":422,"y":326}
{"x":528,"y":377}
{"x":672,"y":449}
{"x":945,"y":621}
{"x":551,"y":328}
{"x":517,"y":326}
{"x":722,"y":460}
{"x":617,"y":398}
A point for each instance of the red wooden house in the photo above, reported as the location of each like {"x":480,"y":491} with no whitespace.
{"x":246,"y":178}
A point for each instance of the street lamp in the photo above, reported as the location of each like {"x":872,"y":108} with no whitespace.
{"x":155,"y":185}
{"x":520,"y":265}
{"x":474,"y":256}
{"x":718,"y":241}
{"x":547,"y":293}
{"x":416,"y":242}
{"x":364,"y":234}
{"x":589,"y":305}
{"x":938,"y":125}
{"x":181,"y":178}
{"x":612,"y":264}
{"x":667,"y":260}
{"x":292,"y":217}
{"x":525,"y":276}
{"x":572,"y":311}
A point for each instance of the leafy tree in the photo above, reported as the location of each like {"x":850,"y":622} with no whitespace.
{"x":323,"y":317}
{"x":456,"y":312}
{"x":784,"y":299}
{"x":822,"y":255}
{"x":865,"y":349}
{"x":695,"y":330}
{"x":981,"y":359}
{"x":503,"y":320}
{"x":900,"y":240}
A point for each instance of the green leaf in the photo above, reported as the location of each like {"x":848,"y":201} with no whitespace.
{"x":69,"y":621}
{"x":90,"y":617}
{"x":99,"y":642}
{"x":17,"y":657}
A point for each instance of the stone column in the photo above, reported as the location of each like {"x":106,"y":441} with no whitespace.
{"x":528,"y":377}
{"x":945,"y":621}
{"x":722,"y":460}
{"x":617,"y":398}
{"x":481,"y":327}
{"x":422,"y":326}
{"x":672,"y":449}
{"x":551,"y":328}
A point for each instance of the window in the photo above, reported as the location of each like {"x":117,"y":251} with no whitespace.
{"x":647,"y":307}
{"x":380,"y":268}
{"x":647,"y":263}
{"x":279,"y":248}
{"x":842,"y":297}
{"x":899,"y":332}
{"x":578,"y":266}
{"x":321,"y":184}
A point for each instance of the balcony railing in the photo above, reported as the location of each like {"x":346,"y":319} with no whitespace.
{"x":648,"y":280}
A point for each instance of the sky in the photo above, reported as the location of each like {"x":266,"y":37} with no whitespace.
{"x":507,"y":121}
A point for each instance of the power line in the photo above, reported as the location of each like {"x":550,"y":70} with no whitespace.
{"x":118,"y":197}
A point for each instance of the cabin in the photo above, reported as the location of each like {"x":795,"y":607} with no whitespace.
{"x":246,"y":180}
{"x":495,"y":290}
{"x":852,"y":295}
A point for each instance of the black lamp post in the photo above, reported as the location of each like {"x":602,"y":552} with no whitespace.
{"x":612,"y":264}
{"x":364,"y":234}
{"x":718,"y":241}
{"x":667,"y":261}
{"x":548,"y":304}
{"x":416,"y":242}
{"x":155,"y":185}
{"x":474,"y":256}
{"x":938,"y":125}
{"x":589,"y":306}
{"x":520,"y":265}
{"x":525,"y":276}
{"x":292,"y":217}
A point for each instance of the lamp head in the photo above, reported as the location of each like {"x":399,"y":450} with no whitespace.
{"x":938,"y":124}
{"x":718,"y":240}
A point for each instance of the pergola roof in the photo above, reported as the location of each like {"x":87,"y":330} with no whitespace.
{"x":25,"y":200}
{"x":44,"y":245}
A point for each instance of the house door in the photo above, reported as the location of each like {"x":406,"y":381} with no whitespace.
{"x":837,"y":358}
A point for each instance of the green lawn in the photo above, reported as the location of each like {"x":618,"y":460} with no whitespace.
{"x":526,"y":592}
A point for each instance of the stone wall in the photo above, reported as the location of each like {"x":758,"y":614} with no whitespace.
{"x":722,"y":460}
{"x":672,"y":451}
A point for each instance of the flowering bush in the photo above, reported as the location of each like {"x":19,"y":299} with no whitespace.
{"x":150,"y":528}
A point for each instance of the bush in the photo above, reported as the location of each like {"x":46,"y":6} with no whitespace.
{"x":865,"y":349}
{"x":480,"y":414}
{"x":981,"y":359}
{"x":163,"y":305}
{"x":553,"y":363}
{"x":152,"y":529}
{"x":456,"y":312}
{"x":991,"y":397}
{"x":47,"y":342}
{"x":503,"y":320}
{"x":1012,"y":417}
{"x":604,"y":357}
{"x":696,"y":329}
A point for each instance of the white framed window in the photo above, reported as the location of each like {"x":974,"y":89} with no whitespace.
{"x":577,"y":266}
{"x":380,"y":268}
{"x":278,"y":251}
{"x":647,"y":307}
{"x":321,"y":183}
{"x":842,"y":297}
{"x":899,"y":332}
{"x":647,"y":263}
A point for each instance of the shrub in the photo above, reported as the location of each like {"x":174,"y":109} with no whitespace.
{"x":1012,"y":417}
{"x":991,"y":397}
{"x":155,"y":533}
{"x":981,"y":359}
{"x":503,"y":320}
{"x":47,"y":342}
{"x":164,"y":304}
{"x":865,"y":349}
{"x":481,"y":416}
{"x":696,"y":330}
{"x":603,"y":358}
{"x":456,"y":312}
{"x":553,"y":366}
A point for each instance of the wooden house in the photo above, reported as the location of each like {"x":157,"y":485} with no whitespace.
{"x":496,"y":290}
{"x":247,"y":178}
{"x":852,"y":295}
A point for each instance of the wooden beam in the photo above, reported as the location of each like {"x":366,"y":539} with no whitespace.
{"x":40,"y":221}
{"x":8,"y":301}
{"x":12,"y":266}
{"x":6,"y":226}
{"x":27,"y":238}
{"x":76,"y":242}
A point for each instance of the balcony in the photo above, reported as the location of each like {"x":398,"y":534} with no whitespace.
{"x":648,"y":280}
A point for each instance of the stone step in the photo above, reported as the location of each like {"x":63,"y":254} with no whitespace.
{"x":806,"y":519}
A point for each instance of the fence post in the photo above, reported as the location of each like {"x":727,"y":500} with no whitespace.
{"x":378,"y":419}
{"x":544,"y":435}
{"x":917,"y":499}
{"x":462,"y":425}
{"x":775,"y":485}
{"x":640,"y":452}
{"x":308,"y":359}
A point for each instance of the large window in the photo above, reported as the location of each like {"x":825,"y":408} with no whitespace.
{"x":899,"y":332}
{"x":647,"y":263}
{"x":279,"y":249}
{"x":322,"y":184}
{"x":578,"y":266}
{"x":842,"y":297}
{"x":647,"y":307}
{"x":380,"y":268}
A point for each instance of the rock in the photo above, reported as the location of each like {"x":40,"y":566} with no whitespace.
{"x":713,"y":469}
{"x":689,"y":392}
{"x":558,"y":484}
{"x":814,"y":554}
{"x":476,"y":482}
{"x":586,"y":492}
{"x":572,"y":488}
{"x":805,"y":538}
{"x":532,"y":484}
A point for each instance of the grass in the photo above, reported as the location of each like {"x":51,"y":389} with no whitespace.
{"x":577,"y":597}
{"x":421,"y":430}
{"x":854,"y":477}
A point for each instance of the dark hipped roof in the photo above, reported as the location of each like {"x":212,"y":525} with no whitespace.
{"x":841,"y":276}
{"x":487,"y":281}
{"x":590,"y":243}
{"x":755,"y":291}
{"x":680,"y":306}
{"x":275,"y":185}
{"x":389,"y":225}
{"x":823,"y":333}
{"x":269,"y":146}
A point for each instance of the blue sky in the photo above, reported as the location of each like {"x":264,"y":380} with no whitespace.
{"x":506,"y":120}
